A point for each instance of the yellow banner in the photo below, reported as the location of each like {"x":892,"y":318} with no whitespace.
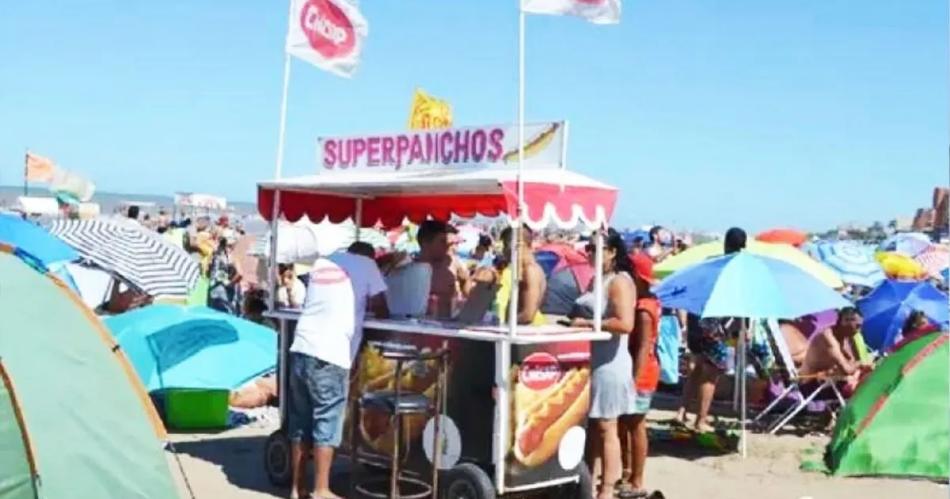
{"x":429,"y":112}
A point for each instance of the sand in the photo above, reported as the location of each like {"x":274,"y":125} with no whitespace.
{"x":230,"y":465}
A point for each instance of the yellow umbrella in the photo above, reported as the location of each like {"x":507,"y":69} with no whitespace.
{"x":900,"y":266}
{"x":784,"y":252}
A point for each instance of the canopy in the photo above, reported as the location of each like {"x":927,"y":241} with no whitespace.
{"x":783,"y":252}
{"x":786,"y":236}
{"x":747,"y":285}
{"x":906,"y":243}
{"x":896,"y":422}
{"x":193,"y":347}
{"x":552,"y":196}
{"x":74,"y":419}
{"x":35,"y":240}
{"x":900,"y":266}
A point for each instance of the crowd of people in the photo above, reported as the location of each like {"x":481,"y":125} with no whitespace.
{"x":626,"y":369}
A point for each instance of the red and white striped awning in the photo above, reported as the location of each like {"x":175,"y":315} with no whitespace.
{"x":552,"y":197}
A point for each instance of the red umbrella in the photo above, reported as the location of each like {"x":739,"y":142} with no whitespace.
{"x":787,"y":236}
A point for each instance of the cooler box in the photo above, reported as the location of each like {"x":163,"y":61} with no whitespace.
{"x":191,"y":409}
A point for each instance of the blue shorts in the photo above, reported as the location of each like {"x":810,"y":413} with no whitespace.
{"x":643,"y":402}
{"x":317,"y":401}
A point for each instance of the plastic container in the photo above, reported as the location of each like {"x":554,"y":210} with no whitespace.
{"x":191,"y":409}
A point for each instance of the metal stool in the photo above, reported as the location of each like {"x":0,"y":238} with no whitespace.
{"x":398,"y":403}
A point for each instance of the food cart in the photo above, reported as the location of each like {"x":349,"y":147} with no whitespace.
{"x":516,"y":403}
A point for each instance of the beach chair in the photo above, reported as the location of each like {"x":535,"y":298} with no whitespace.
{"x":793,"y":382}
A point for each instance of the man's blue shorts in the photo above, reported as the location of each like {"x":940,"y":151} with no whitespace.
{"x":317,"y":401}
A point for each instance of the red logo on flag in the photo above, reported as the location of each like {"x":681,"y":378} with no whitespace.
{"x":540,"y":370}
{"x":328,"y":29}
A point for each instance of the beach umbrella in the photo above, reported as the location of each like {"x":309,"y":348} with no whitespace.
{"x":906,"y":243}
{"x":139,"y":256}
{"x":747,"y":285}
{"x":935,"y":260}
{"x":173,"y":346}
{"x":75,"y":421}
{"x":35,"y":240}
{"x":783,"y":236}
{"x":900,"y":266}
{"x":886,"y":308}
{"x":784,"y":252}
{"x":630,"y":236}
{"x":895,"y":424}
{"x":853,"y":261}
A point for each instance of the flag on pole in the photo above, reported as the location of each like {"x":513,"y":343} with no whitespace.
{"x":327,"y":33}
{"x":429,"y":112}
{"x":595,"y":11}
{"x":39,"y":168}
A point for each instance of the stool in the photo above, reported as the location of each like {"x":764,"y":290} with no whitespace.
{"x":398,"y":403}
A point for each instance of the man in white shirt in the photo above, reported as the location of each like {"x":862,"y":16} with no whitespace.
{"x":327,"y":339}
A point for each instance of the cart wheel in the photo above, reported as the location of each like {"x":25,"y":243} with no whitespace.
{"x":277,"y":459}
{"x":467,"y":481}
{"x":583,"y":489}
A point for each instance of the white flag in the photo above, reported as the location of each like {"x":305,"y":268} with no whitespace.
{"x":327,"y":33}
{"x":595,"y":11}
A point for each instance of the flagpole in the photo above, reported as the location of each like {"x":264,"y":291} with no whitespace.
{"x":26,"y":165}
{"x":279,"y":166}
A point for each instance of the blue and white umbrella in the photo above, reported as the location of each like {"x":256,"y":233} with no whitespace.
{"x":854,"y":262}
{"x":907,"y":243}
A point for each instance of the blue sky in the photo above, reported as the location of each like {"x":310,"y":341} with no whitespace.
{"x":705,"y":114}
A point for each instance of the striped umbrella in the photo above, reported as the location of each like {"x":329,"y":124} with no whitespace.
{"x":854,"y":262}
{"x":133,"y":253}
{"x":935,"y":259}
{"x":906,"y":243}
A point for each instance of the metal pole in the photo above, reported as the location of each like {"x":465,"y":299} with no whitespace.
{"x":358,"y":218}
{"x":743,"y":438}
{"x":278,"y":168}
{"x":502,"y":408}
{"x":598,"y":279}
{"x":564,"y":136}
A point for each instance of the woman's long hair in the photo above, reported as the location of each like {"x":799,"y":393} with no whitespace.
{"x":621,"y":258}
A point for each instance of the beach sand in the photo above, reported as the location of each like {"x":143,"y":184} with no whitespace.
{"x":230,"y":465}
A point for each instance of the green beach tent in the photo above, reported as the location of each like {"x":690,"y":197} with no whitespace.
{"x":74,"y":419}
{"x":898,"y":421}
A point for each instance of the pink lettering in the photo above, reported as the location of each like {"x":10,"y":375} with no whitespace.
{"x":415,"y":153}
{"x":495,"y":149}
{"x":388,"y":144}
{"x":402,"y":148}
{"x":359,"y":147}
{"x":461,"y":147}
{"x":329,"y":154}
{"x":372,"y":151}
{"x":346,"y":154}
{"x":479,"y":144}
{"x":444,"y":142}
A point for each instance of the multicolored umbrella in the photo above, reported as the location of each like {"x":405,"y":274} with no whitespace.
{"x":35,"y":241}
{"x":853,"y":261}
{"x":783,"y":236}
{"x":935,"y":260}
{"x":784,"y":252}
{"x":906,"y":243}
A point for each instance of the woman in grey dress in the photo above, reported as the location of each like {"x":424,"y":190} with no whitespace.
{"x":612,"y":390}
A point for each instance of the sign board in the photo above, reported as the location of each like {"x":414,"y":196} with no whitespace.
{"x":494,"y":146}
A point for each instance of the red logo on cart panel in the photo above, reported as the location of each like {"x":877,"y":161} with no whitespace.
{"x":540,"y":370}
{"x":328,"y":29}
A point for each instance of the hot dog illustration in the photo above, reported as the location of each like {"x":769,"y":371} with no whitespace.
{"x":535,"y":145}
{"x":544,"y":421}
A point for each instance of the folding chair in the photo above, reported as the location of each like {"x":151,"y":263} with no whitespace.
{"x":794,"y":382}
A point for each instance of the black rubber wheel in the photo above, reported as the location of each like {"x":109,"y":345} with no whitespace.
{"x":277,"y":459}
{"x":467,"y":481}
{"x":582,"y":489}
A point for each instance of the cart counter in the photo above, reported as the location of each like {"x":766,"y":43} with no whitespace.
{"x":515,"y":404}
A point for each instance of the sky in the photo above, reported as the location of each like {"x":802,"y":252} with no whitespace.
{"x":705,"y":114}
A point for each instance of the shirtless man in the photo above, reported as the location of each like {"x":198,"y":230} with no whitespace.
{"x":832,"y":352}
{"x":434,"y":249}
{"x":532,"y":283}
